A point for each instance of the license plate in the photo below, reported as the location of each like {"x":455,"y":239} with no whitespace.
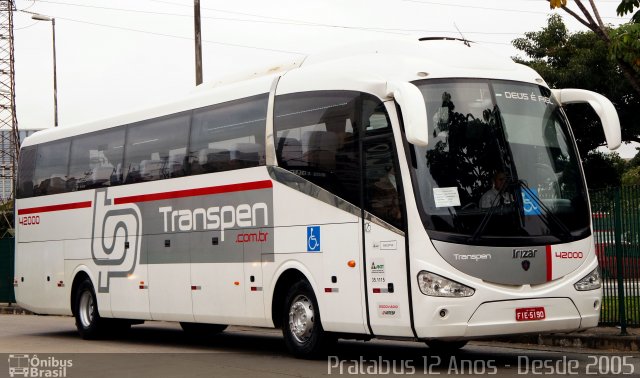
{"x":530,"y":313}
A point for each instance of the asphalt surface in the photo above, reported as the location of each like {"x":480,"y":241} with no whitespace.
{"x":161,"y":349}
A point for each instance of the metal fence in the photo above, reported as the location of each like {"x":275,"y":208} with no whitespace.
{"x":6,"y":270}
{"x":616,"y":224}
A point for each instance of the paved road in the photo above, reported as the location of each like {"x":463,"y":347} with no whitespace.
{"x":159,"y":349}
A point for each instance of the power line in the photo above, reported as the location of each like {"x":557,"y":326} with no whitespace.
{"x":283,"y":21}
{"x":26,"y":27}
{"x":181,"y":37}
{"x":488,"y":8}
{"x":207,"y":41}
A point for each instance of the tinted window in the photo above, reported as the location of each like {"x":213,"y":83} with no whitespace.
{"x":228,"y":136}
{"x":500,"y":164}
{"x":51,"y":168}
{"x":382,"y":194}
{"x":96,"y":159}
{"x":156,"y":149}
{"x":317,"y":136}
{"x":26,"y":171}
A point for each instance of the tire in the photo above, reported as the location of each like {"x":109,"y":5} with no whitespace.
{"x":446,"y":346}
{"x":202,"y":329}
{"x":301,"y":323}
{"x":88,"y":321}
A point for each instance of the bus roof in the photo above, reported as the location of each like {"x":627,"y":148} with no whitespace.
{"x":363,"y":67}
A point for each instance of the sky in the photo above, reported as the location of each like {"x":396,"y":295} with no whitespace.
{"x":116,"y":56}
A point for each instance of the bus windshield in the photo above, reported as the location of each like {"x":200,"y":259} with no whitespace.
{"x":500,"y":166}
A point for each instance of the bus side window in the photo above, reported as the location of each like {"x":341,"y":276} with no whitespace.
{"x":315,"y":139}
{"x":26,"y":172}
{"x":291,"y":152}
{"x":149,"y":145}
{"x":52,"y":168}
{"x":94,"y":159}
{"x":229,"y":135}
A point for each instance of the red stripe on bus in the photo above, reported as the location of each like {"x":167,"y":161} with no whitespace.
{"x":265,"y":184}
{"x":46,"y":209}
{"x":549,"y":264}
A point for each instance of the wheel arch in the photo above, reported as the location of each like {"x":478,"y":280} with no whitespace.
{"x":79,"y":275}
{"x":286,"y":279}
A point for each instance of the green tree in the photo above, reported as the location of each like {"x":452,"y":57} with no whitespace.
{"x":580,"y":60}
{"x":631,"y":176}
{"x":628,"y":6}
{"x":6,"y":218}
{"x":623,"y":45}
{"x":603,"y":170}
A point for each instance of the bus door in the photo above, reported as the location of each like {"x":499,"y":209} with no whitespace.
{"x":384,"y":237}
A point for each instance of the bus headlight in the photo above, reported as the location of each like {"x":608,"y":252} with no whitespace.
{"x":438,"y":286}
{"x":591,"y":281}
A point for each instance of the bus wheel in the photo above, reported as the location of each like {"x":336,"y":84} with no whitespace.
{"x":301,"y":326}
{"x":446,"y":346}
{"x":88,"y":321}
{"x":202,"y":329}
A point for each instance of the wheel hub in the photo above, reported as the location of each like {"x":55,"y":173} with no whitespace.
{"x":301,"y":318}
{"x":86,"y":309}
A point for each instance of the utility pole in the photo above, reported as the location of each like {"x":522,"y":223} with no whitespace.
{"x":41,"y":17}
{"x":198,"y":38}
{"x":9,"y":139}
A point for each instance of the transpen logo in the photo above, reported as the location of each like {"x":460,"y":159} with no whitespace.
{"x":216,"y":218}
{"x":115,"y":239}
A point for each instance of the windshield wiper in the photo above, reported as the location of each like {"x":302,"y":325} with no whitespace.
{"x":487,"y":216}
{"x":520,"y":184}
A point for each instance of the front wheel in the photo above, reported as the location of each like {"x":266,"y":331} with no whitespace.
{"x":301,"y":325}
{"x":88,"y":321}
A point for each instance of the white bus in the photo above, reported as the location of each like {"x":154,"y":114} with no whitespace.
{"x":337,"y":197}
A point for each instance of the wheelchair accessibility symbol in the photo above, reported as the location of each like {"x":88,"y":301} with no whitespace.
{"x":313,"y":239}
{"x":530,"y":204}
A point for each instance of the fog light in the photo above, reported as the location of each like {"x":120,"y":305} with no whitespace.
{"x":443,"y":313}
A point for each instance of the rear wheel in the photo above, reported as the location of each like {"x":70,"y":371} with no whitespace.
{"x":88,"y":321}
{"x":301,"y":325}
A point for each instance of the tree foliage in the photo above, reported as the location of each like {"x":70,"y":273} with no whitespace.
{"x":603,"y":170}
{"x":627,"y":6}
{"x":623,"y":46}
{"x":580,"y":60}
{"x":631,"y":176}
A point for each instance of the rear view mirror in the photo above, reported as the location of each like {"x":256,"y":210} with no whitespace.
{"x":603,"y":108}
{"x":414,"y":112}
